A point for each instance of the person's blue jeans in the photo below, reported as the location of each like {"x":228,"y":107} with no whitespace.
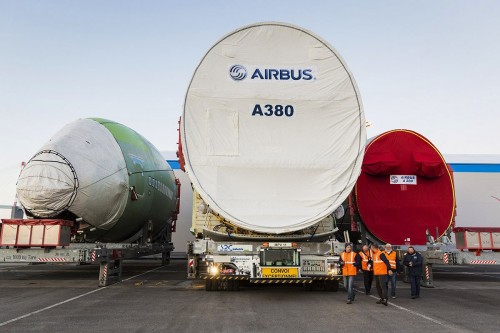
{"x":391,"y":279}
{"x":415,"y":285}
{"x":349,"y":286}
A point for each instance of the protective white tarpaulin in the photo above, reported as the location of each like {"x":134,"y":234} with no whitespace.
{"x":273,"y":129}
{"x":80,"y":169}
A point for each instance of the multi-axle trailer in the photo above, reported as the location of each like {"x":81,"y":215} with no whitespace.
{"x":26,"y":241}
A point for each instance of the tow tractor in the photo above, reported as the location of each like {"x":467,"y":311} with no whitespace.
{"x":227,"y":265}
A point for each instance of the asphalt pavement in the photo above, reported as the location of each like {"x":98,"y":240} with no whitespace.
{"x":152,"y":298}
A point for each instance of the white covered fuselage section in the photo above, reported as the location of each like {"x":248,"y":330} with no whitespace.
{"x":81,"y":169}
{"x":273,"y":129}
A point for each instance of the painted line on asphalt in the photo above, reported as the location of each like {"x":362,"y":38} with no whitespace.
{"x":10,"y":267}
{"x":133,"y":277}
{"x":73,"y":298}
{"x":413,"y":312}
{"x":421,"y":315}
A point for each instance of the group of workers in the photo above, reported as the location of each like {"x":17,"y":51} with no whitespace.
{"x":381,"y":266}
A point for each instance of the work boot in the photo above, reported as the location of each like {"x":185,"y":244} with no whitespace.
{"x":384,"y":302}
{"x":349,"y":301}
{"x":380,"y":301}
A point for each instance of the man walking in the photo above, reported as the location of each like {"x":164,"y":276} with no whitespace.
{"x":367,"y":268}
{"x":381,"y":267}
{"x":414,"y":261}
{"x":392,"y":256}
{"x":349,"y":261}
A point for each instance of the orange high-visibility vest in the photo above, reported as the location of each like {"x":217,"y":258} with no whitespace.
{"x":392,"y":258}
{"x":364,"y":259}
{"x":379,"y":267}
{"x":349,"y":268}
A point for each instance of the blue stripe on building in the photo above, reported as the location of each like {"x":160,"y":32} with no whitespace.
{"x":174,"y":164}
{"x":470,"y":167}
{"x":456,"y":167}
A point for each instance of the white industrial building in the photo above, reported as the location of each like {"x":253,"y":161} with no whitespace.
{"x":477,"y":189}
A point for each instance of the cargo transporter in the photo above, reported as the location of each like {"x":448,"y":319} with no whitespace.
{"x":96,"y":193}
{"x":272,"y":137}
{"x":405,"y":196}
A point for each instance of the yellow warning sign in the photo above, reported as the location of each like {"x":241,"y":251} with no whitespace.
{"x":275,"y":272}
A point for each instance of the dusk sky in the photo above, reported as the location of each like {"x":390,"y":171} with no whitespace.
{"x":428,"y":66}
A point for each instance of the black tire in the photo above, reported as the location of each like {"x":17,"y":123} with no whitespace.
{"x":230,"y":285}
{"x":332,"y":285}
{"x":225,"y":284}
{"x":216,"y":284}
{"x":308,"y":286}
{"x":165,"y":258}
{"x":208,"y":284}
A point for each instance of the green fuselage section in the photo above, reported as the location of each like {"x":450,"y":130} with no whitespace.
{"x":153,"y":191}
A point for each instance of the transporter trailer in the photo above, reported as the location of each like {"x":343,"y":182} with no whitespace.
{"x":473,"y":246}
{"x":272,"y":140}
{"x":48,"y":241}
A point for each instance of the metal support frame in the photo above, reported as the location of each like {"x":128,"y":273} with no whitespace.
{"x":192,"y":266}
{"x":428,"y":276}
{"x":109,"y":256}
{"x":110,"y":272}
{"x":165,"y":258}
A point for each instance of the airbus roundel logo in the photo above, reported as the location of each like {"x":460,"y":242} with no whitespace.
{"x":238,"y":72}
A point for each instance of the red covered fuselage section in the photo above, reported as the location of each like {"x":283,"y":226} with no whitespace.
{"x":405,"y":188}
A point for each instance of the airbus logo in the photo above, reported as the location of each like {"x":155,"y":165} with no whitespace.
{"x":238,"y":72}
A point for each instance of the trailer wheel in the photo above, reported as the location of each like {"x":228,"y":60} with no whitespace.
{"x":308,"y":286}
{"x":210,"y":284}
{"x":165,"y":258}
{"x":332,"y":285}
{"x":229,"y":285}
{"x":234,"y":285}
{"x":216,"y":285}
{"x":224,"y":284}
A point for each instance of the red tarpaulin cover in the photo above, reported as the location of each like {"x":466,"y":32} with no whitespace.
{"x":393,"y":212}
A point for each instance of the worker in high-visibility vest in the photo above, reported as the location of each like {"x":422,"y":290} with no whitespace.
{"x":350,"y":261}
{"x":393,"y":258}
{"x":367,"y":268}
{"x":381,"y":267}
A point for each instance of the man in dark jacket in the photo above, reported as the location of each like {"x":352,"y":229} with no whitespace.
{"x":414,"y":261}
